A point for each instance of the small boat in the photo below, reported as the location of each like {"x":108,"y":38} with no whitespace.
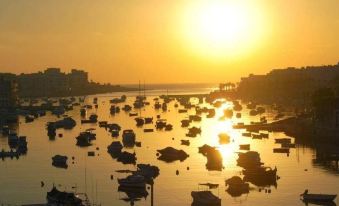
{"x":56,"y":197}
{"x":224,"y":138}
{"x":306,"y":197}
{"x":282,"y":140}
{"x":244,"y":147}
{"x":210,"y":185}
{"x":237,"y":186}
{"x":182,"y":111}
{"x":205,"y":198}
{"x":185,"y":142}
{"x":128,"y":137}
{"x":281,"y":150}
{"x":133,"y":114}
{"x":185,"y":122}
{"x":247,"y":134}
{"x":60,"y":161}
{"x":133,"y":181}
{"x":256,"y":136}
{"x":170,"y":154}
{"x":288,"y":145}
{"x":114,"y":149}
{"x":148,"y":130}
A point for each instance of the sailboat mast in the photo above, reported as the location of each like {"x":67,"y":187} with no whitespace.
{"x":144,"y":89}
{"x":139,"y":88}
{"x":85,"y":175}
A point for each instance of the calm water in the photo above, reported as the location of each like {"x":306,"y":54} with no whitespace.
{"x":20,"y":179}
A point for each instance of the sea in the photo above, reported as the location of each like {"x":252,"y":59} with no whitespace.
{"x":20,"y":179}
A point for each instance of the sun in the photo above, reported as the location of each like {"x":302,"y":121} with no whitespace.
{"x":221,"y":28}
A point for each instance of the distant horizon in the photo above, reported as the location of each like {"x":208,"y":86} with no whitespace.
{"x":167,"y":83}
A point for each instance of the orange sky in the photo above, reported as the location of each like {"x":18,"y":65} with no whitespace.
{"x":124,"y":41}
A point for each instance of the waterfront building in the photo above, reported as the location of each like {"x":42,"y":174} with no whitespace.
{"x":52,"y":82}
{"x":290,"y":85}
{"x":8,"y":91}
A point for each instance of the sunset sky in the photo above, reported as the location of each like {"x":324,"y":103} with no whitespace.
{"x":167,"y":41}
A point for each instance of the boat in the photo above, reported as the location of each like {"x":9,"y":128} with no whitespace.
{"x":185,"y":122}
{"x":140,"y":121}
{"x":256,"y":136}
{"x":210,"y":185}
{"x":182,"y":111}
{"x":114,"y":149}
{"x":306,"y":197}
{"x":149,"y":130}
{"x":127,"y":108}
{"x":237,"y":186}
{"x":168,"y":127}
{"x":115,"y":133}
{"x":247,"y":134}
{"x":13,"y":140}
{"x":288,"y":145}
{"x":56,"y":197}
{"x":60,"y":161}
{"x":160,"y":124}
{"x":281,"y":150}
{"x":211,"y":113}
{"x":261,"y":172}
{"x":29,"y":118}
{"x":185,"y":142}
{"x":249,"y":159}
{"x":228,"y":113}
{"x":205,"y":198}
{"x":83,"y":112}
{"x":224,"y":138}
{"x":85,"y":138}
{"x":128,"y":138}
{"x":244,"y":147}
{"x":195,"y":118}
{"x":133,"y":181}
{"x":148,"y":120}
{"x":149,"y":172}
{"x":127,"y":158}
{"x":170,"y":154}
{"x":92,"y":119}
{"x":193,"y":131}
{"x":282,"y":140}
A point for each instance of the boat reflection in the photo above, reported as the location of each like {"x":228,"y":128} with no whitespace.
{"x":133,"y":194}
{"x":310,"y":203}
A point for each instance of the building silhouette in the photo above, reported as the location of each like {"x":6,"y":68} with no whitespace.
{"x":8,"y":91}
{"x":52,"y":82}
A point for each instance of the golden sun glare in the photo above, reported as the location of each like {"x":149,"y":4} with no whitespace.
{"x":221,"y":28}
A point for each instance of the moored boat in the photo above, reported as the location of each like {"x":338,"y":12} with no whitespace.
{"x":317,"y":197}
{"x":205,"y":198}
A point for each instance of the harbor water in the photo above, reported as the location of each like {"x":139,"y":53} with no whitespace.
{"x":20,"y":179}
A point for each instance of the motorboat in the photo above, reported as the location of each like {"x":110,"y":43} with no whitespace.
{"x":134,"y":181}
{"x":224,"y":138}
{"x":282,"y":140}
{"x":60,"y":161}
{"x":56,"y":197}
{"x":236,"y":186}
{"x":281,"y":150}
{"x":307,"y":197}
{"x":114,"y":149}
{"x":205,"y":198}
{"x":170,"y":154}
{"x":244,"y":147}
{"x":128,"y":137}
